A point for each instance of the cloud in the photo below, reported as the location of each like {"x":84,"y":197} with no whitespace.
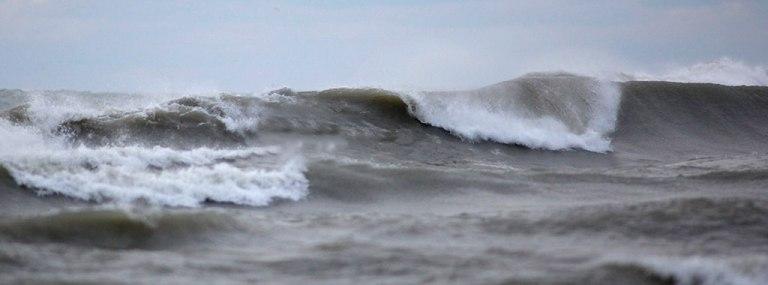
{"x":40,"y":22}
{"x":430,"y":44}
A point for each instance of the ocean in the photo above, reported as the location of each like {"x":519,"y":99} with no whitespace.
{"x":549,"y":178}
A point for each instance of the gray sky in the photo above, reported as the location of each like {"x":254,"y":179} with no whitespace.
{"x":198,"y":46}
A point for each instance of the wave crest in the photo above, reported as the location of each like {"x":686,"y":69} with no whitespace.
{"x":725,"y":71}
{"x":115,"y":229}
{"x":162,"y":176}
{"x":657,"y":270}
{"x":543,"y":110}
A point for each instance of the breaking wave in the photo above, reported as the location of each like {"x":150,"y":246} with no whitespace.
{"x":250,"y":149}
{"x":693,"y":270}
{"x":540,"y":111}
{"x":547,"y":111}
{"x":161,"y":176}
{"x":187,"y":121}
{"x":157,"y":175}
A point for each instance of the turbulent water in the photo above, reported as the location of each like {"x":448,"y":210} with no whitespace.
{"x":550,"y":178}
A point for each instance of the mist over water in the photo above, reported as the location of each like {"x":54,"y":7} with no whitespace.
{"x":724,"y":71}
{"x":548,"y":178}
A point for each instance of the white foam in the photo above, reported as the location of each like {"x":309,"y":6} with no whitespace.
{"x":477,"y":117}
{"x":724,"y":71}
{"x":238,"y":116}
{"x":159,"y":176}
{"x":47,"y":109}
{"x":706,"y":271}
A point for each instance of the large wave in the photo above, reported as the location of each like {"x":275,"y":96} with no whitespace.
{"x":250,"y":149}
{"x":667,"y":119}
{"x":252,"y":176}
{"x":545,"y":110}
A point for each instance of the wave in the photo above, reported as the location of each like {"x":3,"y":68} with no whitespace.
{"x":252,"y":176}
{"x":537,"y":111}
{"x":6,"y":179}
{"x":187,"y":150}
{"x":116,"y":229}
{"x":544,"y":111}
{"x":658,"y":270}
{"x":549,"y":111}
{"x":161,"y":176}
{"x":541,"y":111}
{"x":691,"y":118}
{"x":704,"y":221}
{"x":555,"y":111}
{"x":187,"y":121}
{"x":752,"y":167}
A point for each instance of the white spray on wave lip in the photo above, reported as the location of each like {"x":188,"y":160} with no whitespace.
{"x":554,"y":111}
{"x":725,"y":71}
{"x":125,"y":174}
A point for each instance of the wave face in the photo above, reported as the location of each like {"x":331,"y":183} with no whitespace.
{"x":548,"y":111}
{"x":692,"y":118}
{"x":116,"y":229}
{"x":193,"y":121}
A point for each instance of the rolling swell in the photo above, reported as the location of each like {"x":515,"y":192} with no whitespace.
{"x":355,"y":113}
{"x":184,"y":122}
{"x":115,"y":229}
{"x":177,"y":151}
{"x":227,"y":121}
{"x":539,"y":111}
{"x":663,"y":118}
{"x":706,"y":222}
{"x":553,"y":111}
{"x":639,"y":117}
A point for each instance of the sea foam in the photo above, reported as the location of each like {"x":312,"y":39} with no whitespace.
{"x":157,"y":175}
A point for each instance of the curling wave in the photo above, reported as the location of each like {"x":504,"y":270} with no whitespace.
{"x":542,"y":110}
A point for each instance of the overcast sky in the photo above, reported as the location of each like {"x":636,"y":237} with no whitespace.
{"x":198,"y":46}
